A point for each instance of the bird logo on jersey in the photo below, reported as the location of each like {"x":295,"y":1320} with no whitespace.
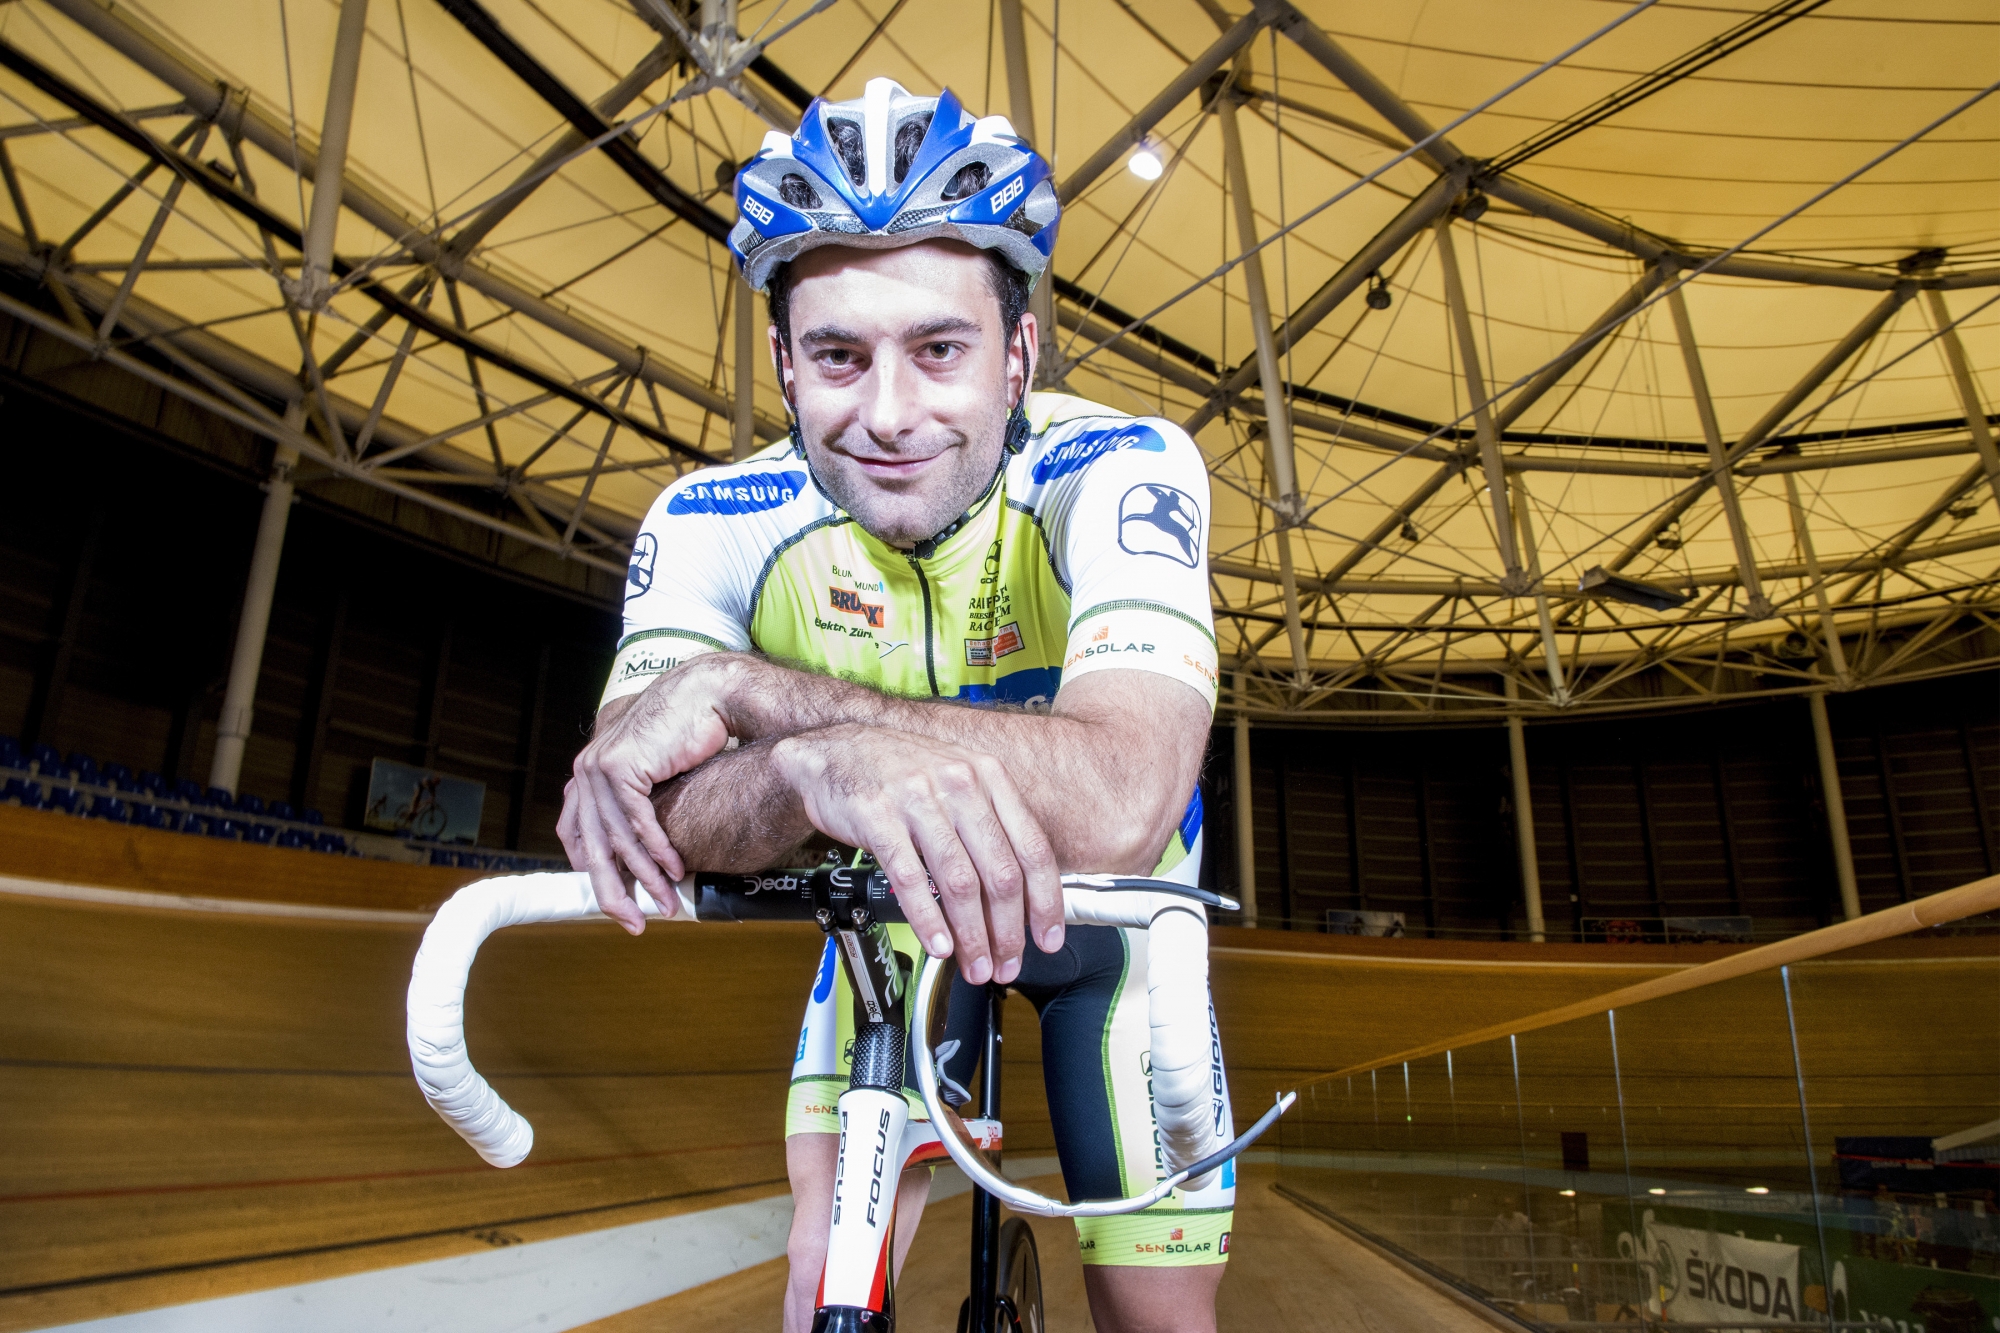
{"x":1159,"y":520}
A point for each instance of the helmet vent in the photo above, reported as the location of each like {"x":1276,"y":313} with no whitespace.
{"x":846,"y":135}
{"x":909,"y":138}
{"x":969,"y":179}
{"x":795,"y":190}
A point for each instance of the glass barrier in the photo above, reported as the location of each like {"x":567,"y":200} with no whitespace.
{"x":1761,"y":1152}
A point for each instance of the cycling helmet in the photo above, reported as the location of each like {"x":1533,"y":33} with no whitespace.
{"x":889,"y":169}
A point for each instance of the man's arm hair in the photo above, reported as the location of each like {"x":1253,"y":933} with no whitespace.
{"x":1106,"y":772}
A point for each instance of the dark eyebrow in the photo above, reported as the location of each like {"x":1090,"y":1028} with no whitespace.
{"x":831,"y":333}
{"x":943,"y":324}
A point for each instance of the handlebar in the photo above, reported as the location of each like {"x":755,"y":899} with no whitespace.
{"x":1173,"y":914}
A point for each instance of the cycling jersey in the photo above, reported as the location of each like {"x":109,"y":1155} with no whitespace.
{"x":1088,"y":552}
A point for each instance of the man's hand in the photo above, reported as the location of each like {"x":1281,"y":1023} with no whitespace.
{"x":608,"y":824}
{"x":935,"y":813}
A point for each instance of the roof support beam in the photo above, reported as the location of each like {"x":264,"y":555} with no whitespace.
{"x":1419,"y":213}
{"x":315,"y":275}
{"x":1802,"y":535}
{"x":1134,"y":130}
{"x":1282,"y":467}
{"x":1968,"y":391}
{"x":1551,"y":655}
{"x":211,"y":98}
{"x":1334,"y":58}
{"x":1756,"y":605}
{"x":1607,"y":324}
{"x":1515,"y":579}
{"x":1837,"y":356}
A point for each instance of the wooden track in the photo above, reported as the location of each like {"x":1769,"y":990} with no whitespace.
{"x":1289,"y":1273}
{"x":196,"y":1103}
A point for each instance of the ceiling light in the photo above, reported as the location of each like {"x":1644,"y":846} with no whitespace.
{"x":1474,"y":207}
{"x":1758,"y":1189}
{"x":1378,"y":292}
{"x":1567,"y":1194}
{"x":1601,"y":582}
{"x":1656,"y":1191}
{"x":1145,"y":164}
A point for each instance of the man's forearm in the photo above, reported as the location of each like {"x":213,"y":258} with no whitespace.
{"x":1132,"y":747}
{"x":733,"y":813}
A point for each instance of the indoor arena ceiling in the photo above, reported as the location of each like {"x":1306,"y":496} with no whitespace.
{"x":1688,"y":305}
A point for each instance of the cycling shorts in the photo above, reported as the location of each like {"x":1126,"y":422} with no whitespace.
{"x":1096,"y":1063}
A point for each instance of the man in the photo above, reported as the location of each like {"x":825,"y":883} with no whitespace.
{"x":931,"y":538}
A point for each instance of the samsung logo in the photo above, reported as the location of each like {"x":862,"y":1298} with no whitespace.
{"x":745,"y":495}
{"x":1085,"y":449}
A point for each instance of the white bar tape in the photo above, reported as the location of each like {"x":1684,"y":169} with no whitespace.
{"x":1185,"y":1097}
{"x":435,"y":1007}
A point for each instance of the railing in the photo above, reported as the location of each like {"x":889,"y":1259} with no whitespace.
{"x":1801,"y":1135}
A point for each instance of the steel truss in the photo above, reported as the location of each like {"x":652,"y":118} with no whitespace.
{"x":1493,"y":632}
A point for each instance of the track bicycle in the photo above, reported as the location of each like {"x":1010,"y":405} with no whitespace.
{"x":878,"y":1138}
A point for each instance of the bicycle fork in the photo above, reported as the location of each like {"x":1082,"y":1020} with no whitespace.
{"x":857,"y":1286}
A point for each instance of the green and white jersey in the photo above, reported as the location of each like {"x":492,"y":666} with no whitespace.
{"x":1089,"y":552}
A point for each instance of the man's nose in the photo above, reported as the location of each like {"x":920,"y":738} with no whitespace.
{"x":890,"y":406}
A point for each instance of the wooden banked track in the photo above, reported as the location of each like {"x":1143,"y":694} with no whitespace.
{"x":200,"y":1102}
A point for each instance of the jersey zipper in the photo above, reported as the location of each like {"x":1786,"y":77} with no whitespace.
{"x":930,"y":659}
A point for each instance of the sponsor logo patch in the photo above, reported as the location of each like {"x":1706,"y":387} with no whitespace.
{"x":985,"y":652}
{"x":744,"y":495}
{"x":1007,"y":193}
{"x":848,"y":602}
{"x":1223,"y":1246}
{"x":645,"y":553}
{"x":1159,"y":520}
{"x":1082,"y":450}
{"x":757,"y":209}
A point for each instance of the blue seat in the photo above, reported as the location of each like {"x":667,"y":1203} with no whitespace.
{"x":60,"y":798}
{"x":144,"y":815}
{"x":27,"y":793}
{"x":311,"y":816}
{"x":292,"y":837}
{"x":330,"y":842}
{"x":225,"y":828}
{"x":194,"y":823}
{"x":250,"y":805}
{"x":117,"y":775}
{"x":84,"y":765}
{"x":47,"y":757}
{"x":263,"y":834}
{"x":220,"y":798}
{"x":282,"y":810}
{"x":109,"y":807}
{"x":10,"y":753}
{"x":187,"y":789}
{"x":152,"y":782}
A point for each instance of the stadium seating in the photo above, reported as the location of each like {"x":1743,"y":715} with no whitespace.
{"x":43,"y":778}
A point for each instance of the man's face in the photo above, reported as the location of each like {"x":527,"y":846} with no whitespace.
{"x":902,"y":379}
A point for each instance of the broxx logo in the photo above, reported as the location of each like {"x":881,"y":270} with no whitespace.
{"x":848,"y":602}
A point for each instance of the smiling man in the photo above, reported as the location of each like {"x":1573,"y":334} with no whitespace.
{"x":956,"y":624}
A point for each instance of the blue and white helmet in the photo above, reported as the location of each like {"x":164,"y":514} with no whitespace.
{"x":891,"y":169}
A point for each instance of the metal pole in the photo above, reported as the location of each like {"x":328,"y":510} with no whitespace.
{"x":1524,"y":816}
{"x":1836,"y":807}
{"x":1802,"y":531}
{"x":1515,"y":580}
{"x":1968,"y":392}
{"x":1246,"y":823}
{"x":743,"y":436}
{"x":1755,"y":604}
{"x":1277,"y":414}
{"x":232,"y":730}
{"x":325,"y":215}
{"x":1558,"y":691}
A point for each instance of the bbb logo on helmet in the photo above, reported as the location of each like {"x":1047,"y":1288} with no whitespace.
{"x":757,"y":209}
{"x":1006,"y":194}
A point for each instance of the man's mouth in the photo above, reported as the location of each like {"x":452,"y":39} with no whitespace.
{"x":894,"y":469}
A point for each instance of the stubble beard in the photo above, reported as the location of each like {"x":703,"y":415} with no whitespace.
{"x":904,"y":517}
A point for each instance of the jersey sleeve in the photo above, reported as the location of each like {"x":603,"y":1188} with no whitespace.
{"x":1129,"y":534}
{"x":686,"y":593}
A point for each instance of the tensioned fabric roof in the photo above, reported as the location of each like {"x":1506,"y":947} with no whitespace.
{"x":1659,"y":262}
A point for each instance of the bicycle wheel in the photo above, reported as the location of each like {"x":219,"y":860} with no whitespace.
{"x":1020,"y":1279}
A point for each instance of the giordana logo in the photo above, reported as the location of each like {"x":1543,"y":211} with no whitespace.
{"x":1159,"y":520}
{"x":645,"y":552}
{"x":1082,"y":450}
{"x":744,"y":495}
{"x":759,"y":211}
{"x":1007,"y":193}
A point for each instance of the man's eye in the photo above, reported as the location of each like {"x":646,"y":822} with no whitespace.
{"x":941,"y":351}
{"x":837,"y":356}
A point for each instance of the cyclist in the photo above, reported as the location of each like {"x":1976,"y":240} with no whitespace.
{"x":801,"y":648}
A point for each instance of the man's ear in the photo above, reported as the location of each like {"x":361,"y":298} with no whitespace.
{"x":1022,"y":349}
